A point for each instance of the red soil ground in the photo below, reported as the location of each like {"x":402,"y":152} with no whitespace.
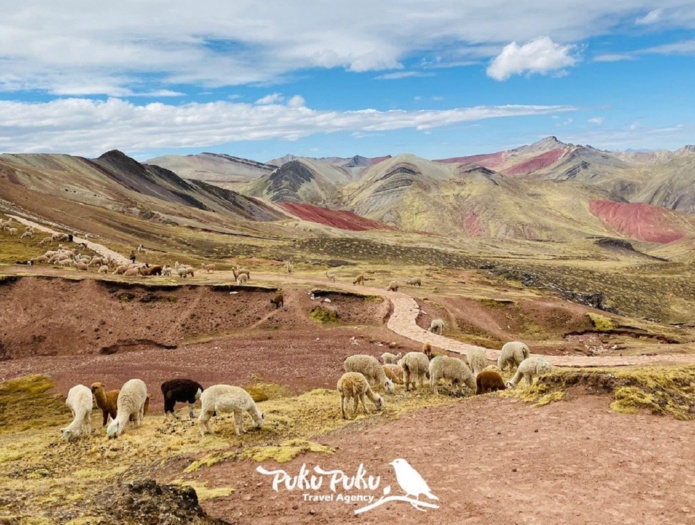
{"x":491,"y":460}
{"x":536,"y":163}
{"x":488,"y":459}
{"x":345,"y":220}
{"x":638,"y":220}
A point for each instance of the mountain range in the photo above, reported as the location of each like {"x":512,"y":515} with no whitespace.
{"x":548,"y":191}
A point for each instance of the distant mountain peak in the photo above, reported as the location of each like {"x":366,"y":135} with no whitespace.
{"x":548,"y":143}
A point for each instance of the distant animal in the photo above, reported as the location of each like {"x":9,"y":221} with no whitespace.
{"x":410,"y":480}
{"x":437,"y":326}
{"x":414,"y":281}
{"x":237,"y":272}
{"x":392,"y":287}
{"x":278,"y":300}
{"x":359,"y":280}
{"x":331,"y":276}
{"x":208,"y":267}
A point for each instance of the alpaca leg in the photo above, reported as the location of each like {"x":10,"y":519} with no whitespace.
{"x":364,"y":405}
{"x":343,"y":404}
{"x":355,"y":398}
{"x":191,"y":411}
{"x":203,"y":420}
{"x":239,"y":422}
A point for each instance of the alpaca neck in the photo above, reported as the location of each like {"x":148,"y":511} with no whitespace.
{"x":100,"y":397}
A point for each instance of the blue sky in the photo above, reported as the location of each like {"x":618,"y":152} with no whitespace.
{"x":258,"y":80}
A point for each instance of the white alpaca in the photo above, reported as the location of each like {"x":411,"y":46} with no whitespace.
{"x":513,"y":353}
{"x":530,"y":368}
{"x":226,"y":398}
{"x":80,"y":402}
{"x":370,"y":368}
{"x":131,"y":402}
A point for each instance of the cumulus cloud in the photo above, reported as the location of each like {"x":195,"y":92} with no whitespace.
{"x":541,"y":55}
{"x":596,"y":120}
{"x":82,"y":47}
{"x":89,"y":127}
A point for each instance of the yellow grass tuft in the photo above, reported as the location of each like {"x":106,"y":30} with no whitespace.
{"x":286,"y":451}
{"x":660,"y":390}
{"x":601,"y":322}
{"x":25,"y":403}
{"x":203,"y":492}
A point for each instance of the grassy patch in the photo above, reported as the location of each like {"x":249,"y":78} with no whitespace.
{"x":25,"y":403}
{"x":203,"y":492}
{"x":324,"y":314}
{"x":661,"y":390}
{"x":285,"y":452}
{"x":601,"y":322}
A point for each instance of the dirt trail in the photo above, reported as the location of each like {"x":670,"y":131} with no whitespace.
{"x":405,"y":313}
{"x":95,"y":247}
{"x":406,"y":310}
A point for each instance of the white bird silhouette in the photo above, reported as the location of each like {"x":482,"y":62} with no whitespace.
{"x":410,"y":480}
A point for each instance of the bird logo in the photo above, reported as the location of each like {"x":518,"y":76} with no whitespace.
{"x":410,"y":480}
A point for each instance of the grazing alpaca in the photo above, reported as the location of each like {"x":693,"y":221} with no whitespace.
{"x":437,"y":326}
{"x":278,"y":300}
{"x":353,"y":385}
{"x":489,"y":381}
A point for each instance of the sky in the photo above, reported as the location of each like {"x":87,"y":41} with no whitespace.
{"x":258,"y":80}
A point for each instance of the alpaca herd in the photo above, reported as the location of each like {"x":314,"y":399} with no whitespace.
{"x":363,"y":375}
{"x":131,"y":402}
{"x":415,"y":368}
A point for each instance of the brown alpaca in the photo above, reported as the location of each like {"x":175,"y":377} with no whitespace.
{"x":427,"y":350}
{"x":278,"y":300}
{"x":359,"y":280}
{"x":489,"y":381}
{"x":106,"y":401}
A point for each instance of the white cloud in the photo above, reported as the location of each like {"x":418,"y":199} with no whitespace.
{"x":81,"y":47}
{"x":296,"y":101}
{"x":650,"y":18}
{"x":89,"y":127}
{"x":614,"y":57}
{"x":683,"y":47}
{"x":404,"y":74}
{"x":541,"y":55}
{"x":274,"y":98}
{"x":596,"y":120}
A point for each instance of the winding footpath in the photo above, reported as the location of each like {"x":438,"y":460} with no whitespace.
{"x":406,"y":311}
